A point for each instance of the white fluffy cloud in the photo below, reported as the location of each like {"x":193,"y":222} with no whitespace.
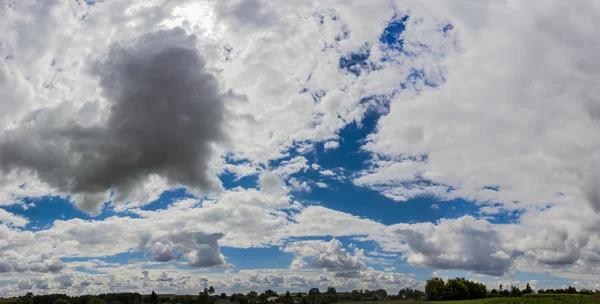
{"x":331,"y":256}
{"x":12,"y":219}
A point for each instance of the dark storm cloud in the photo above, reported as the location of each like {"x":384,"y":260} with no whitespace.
{"x":166,"y":111}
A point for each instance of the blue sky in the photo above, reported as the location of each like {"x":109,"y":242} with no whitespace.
{"x":254,"y":145}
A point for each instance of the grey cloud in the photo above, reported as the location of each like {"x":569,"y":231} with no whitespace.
{"x":42,"y":283}
{"x":591,"y":191}
{"x":5,"y":267}
{"x":348,"y":274}
{"x":331,"y":256}
{"x":164,"y":277}
{"x":25,"y":284}
{"x":64,"y":280}
{"x":199,"y":249}
{"x":54,"y":265}
{"x":166,"y":112}
{"x":162,"y":253}
{"x":465,"y":243}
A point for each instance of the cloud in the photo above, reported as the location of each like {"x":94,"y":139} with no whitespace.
{"x":321,"y":185}
{"x":331,"y":145}
{"x":199,"y":249}
{"x":331,"y":256}
{"x":465,"y":243}
{"x":533,"y":154}
{"x":25,"y":284}
{"x":165,"y":113}
{"x":53,"y":265}
{"x":12,"y":219}
{"x":327,"y":172}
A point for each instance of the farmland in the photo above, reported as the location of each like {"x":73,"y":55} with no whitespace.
{"x":533,"y":299}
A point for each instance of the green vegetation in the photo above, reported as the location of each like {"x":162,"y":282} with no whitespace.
{"x":455,"y":289}
{"x":534,"y":299}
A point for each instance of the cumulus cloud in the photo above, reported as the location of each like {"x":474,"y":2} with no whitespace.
{"x":331,"y":145}
{"x":165,"y":112}
{"x":199,"y":249}
{"x":11,"y":265}
{"x":466,"y":243}
{"x":331,"y":256}
{"x":12,"y":219}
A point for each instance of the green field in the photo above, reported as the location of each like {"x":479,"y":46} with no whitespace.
{"x":546,"y":299}
{"x":537,"y":299}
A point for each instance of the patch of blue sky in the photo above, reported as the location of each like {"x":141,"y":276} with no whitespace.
{"x":505,"y":217}
{"x":358,"y":62}
{"x":120,"y":258}
{"x":447,"y":28}
{"x":47,"y":209}
{"x":392,"y":34}
{"x":418,"y":76}
{"x":231,"y":180}
{"x":167,"y":198}
{"x":88,"y":2}
{"x":257,"y":258}
{"x":88,"y":270}
{"x":349,"y":154}
{"x":8,"y":282}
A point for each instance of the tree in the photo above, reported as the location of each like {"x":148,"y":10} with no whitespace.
{"x":331,"y":290}
{"x":314,"y":292}
{"x":456,"y":289}
{"x":270,"y":293}
{"x":154,"y":298}
{"x":515,"y":291}
{"x":96,"y":300}
{"x":476,"y":290}
{"x":527,"y":290}
{"x":434,"y":288}
{"x":204,"y":295}
{"x":223,"y":295}
{"x":356,"y":295}
{"x":288,"y":295}
{"x":252,"y":294}
{"x":410,"y":294}
{"x":380,"y":294}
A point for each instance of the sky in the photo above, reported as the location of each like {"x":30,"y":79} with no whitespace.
{"x":253,"y":144}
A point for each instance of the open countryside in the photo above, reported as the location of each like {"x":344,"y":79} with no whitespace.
{"x":437,"y":291}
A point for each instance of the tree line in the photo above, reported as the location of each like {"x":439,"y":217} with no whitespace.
{"x":455,"y":289}
{"x":461,"y":289}
{"x":436,"y":289}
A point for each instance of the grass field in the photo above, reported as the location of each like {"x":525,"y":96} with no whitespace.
{"x":546,"y":299}
{"x":537,"y":299}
